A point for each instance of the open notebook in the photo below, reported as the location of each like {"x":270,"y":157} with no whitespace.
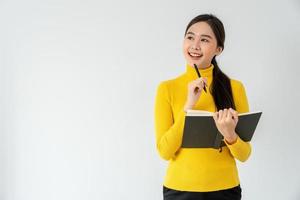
{"x":200,"y":130}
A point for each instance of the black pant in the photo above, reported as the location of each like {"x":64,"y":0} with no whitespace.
{"x":229,"y":194}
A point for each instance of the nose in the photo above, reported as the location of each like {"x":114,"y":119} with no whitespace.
{"x":196,"y":44}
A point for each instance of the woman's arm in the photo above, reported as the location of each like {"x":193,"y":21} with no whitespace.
{"x":168,"y":132}
{"x":239,"y":149}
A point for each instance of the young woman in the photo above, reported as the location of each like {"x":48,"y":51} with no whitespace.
{"x":201,"y":173}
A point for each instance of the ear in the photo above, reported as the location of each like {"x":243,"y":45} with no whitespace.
{"x":219,"y":51}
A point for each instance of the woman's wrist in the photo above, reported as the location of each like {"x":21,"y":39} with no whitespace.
{"x":188,"y":106}
{"x":232,"y":139}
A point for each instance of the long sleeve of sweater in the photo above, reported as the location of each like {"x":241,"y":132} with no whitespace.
{"x":240,"y":150}
{"x":168,"y":133}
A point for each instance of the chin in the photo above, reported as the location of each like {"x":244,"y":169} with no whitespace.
{"x":191,"y":61}
{"x":197,"y":62}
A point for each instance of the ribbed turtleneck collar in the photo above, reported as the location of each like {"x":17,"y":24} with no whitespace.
{"x":192,"y":74}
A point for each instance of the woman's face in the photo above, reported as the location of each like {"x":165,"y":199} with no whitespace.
{"x":200,"y":45}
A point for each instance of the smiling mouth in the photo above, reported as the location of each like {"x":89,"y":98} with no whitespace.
{"x":195,"y":55}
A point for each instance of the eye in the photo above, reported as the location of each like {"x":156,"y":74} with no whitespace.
{"x":189,"y":38}
{"x":204,"y":40}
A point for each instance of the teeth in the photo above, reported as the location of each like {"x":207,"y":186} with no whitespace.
{"x":195,"y":54}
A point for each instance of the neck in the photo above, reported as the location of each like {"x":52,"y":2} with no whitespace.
{"x":204,"y":72}
{"x":200,"y":67}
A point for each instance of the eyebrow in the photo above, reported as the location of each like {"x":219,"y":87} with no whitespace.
{"x":190,"y":33}
{"x":203,"y":35}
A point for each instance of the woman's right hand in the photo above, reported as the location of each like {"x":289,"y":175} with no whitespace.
{"x":195,"y":88}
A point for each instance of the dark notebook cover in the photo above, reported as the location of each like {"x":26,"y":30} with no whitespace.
{"x":200,"y":130}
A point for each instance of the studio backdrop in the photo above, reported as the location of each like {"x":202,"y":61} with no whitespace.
{"x":78,"y":81}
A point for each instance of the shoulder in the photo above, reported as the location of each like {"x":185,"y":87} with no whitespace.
{"x":170,"y":84}
{"x":239,"y":96}
{"x":236,"y":85}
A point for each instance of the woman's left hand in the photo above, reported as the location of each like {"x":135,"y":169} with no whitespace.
{"x":226,"y":121}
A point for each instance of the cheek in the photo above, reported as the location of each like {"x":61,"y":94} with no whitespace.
{"x":185,"y":47}
{"x":187,"y":43}
{"x":208,"y":49}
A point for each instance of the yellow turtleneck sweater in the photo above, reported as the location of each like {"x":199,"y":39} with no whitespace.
{"x":195,"y":169}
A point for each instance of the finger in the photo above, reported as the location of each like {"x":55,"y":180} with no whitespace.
{"x":229,"y":115}
{"x":224,"y":114}
{"x":196,"y":90}
{"x":205,"y":81}
{"x":198,"y":80}
{"x":203,"y":84}
{"x":232,"y":111}
{"x":198,"y":87}
{"x":234,"y":114}
{"x":195,"y":86}
{"x":220,"y":115}
{"x":202,"y":80}
{"x":200,"y":84}
{"x":215,"y":116}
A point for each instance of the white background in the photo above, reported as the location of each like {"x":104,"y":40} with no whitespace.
{"x":77,"y":87}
